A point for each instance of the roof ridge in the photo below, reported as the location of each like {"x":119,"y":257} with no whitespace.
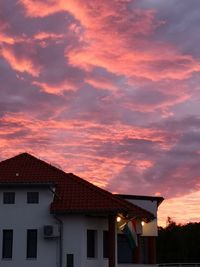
{"x":4,"y":160}
{"x":35,"y":158}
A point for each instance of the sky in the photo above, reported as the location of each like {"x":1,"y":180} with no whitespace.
{"x":108,"y":90}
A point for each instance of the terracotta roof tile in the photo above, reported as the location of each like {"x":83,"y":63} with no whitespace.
{"x":73,"y":194}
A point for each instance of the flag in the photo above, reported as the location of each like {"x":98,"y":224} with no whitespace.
{"x":130,"y":231}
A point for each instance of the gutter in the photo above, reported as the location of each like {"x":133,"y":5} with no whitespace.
{"x":60,"y":240}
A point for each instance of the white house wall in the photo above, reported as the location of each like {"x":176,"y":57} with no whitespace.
{"x":149,"y":229}
{"x":22,"y":216}
{"x":100,"y":225}
{"x":75,"y":240}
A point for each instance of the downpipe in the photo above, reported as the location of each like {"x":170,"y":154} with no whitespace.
{"x":60,"y":241}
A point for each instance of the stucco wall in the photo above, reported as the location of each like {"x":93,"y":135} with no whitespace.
{"x":75,"y":236}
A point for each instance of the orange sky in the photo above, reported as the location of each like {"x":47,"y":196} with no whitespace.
{"x":108,"y":90}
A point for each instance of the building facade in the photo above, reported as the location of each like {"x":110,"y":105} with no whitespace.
{"x":52,"y":218}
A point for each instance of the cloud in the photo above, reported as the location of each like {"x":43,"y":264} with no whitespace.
{"x":117,"y":47}
{"x":172,"y":178}
{"x":181,"y":23}
{"x":55,"y":89}
{"x":182,"y":209}
{"x":20,"y":63}
{"x":151,"y":96}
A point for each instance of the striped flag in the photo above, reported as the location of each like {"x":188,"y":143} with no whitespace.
{"x":130,"y":231}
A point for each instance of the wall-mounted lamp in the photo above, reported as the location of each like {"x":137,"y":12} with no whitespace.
{"x":118,"y":219}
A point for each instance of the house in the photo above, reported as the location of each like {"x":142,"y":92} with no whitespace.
{"x":50,"y":218}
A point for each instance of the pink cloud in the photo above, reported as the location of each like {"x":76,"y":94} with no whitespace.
{"x":20,"y":63}
{"x":101,"y":84}
{"x":44,"y":38}
{"x":152,"y":96}
{"x":58,"y":88}
{"x":182,"y":209}
{"x":48,"y":35}
{"x":40,"y":8}
{"x":124,"y":51}
{"x":119,"y":48}
{"x":158,"y":64}
{"x":6,"y":39}
{"x":65,"y":135}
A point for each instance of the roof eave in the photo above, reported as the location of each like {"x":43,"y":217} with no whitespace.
{"x":159,"y":199}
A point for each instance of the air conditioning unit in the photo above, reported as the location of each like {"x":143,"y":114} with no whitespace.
{"x":51,"y":231}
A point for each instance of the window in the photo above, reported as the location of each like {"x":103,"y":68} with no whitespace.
{"x":9,"y":197}
{"x":70,"y":260}
{"x":7,"y":244}
{"x":105,"y":244}
{"x":32,"y":197}
{"x":91,"y":243}
{"x":31,"y":243}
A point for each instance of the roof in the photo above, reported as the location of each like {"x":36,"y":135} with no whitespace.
{"x":158,"y":199}
{"x":73,"y":194}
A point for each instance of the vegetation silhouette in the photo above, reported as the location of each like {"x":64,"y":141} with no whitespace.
{"x":178,"y":243}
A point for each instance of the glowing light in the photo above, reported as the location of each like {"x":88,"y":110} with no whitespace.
{"x":142,"y":223}
{"x":118,"y":219}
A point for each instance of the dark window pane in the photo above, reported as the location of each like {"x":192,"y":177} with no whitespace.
{"x":31,"y":243}
{"x":9,"y":197}
{"x":32,"y":197}
{"x":105,"y":244}
{"x":7,"y":244}
{"x":91,"y":243}
{"x":70,"y":260}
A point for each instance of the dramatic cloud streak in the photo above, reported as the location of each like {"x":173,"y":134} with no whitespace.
{"x":108,"y":90}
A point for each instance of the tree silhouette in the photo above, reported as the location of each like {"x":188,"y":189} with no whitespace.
{"x":178,"y":243}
